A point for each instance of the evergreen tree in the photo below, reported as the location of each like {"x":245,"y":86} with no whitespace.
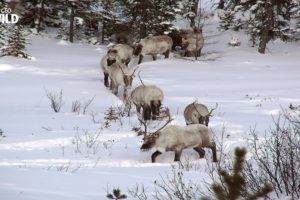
{"x":227,"y":20}
{"x":116,"y":194}
{"x":28,"y":11}
{"x":110,"y":21}
{"x":111,"y":114}
{"x":221,"y":4}
{"x":297,"y":17}
{"x":3,"y":29}
{"x":149,"y":16}
{"x":262,"y":20}
{"x":79,"y":19}
{"x":3,"y":35}
{"x":2,"y":3}
{"x":164,"y":14}
{"x":39,"y":14}
{"x":16,"y":44}
{"x":232,"y":186}
{"x":189,"y":10}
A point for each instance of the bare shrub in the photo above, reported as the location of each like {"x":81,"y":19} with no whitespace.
{"x":2,"y":134}
{"x":138,"y":192}
{"x":56,"y":99}
{"x":86,"y":140}
{"x":115,"y":114}
{"x":190,"y":165}
{"x":76,"y":106}
{"x":65,"y":167}
{"x":108,"y":144}
{"x":174,"y":186}
{"x":86,"y":104}
{"x":124,"y":110}
{"x":214,"y":170}
{"x":277,"y":157}
{"x":93,"y":116}
{"x":88,"y":143}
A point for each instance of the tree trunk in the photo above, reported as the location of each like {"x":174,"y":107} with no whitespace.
{"x":71,"y":32}
{"x":41,"y":15}
{"x":143,"y":32}
{"x":265,"y":36}
{"x":143,"y":27}
{"x":221,"y":4}
{"x":194,"y":9}
{"x":103,"y":30}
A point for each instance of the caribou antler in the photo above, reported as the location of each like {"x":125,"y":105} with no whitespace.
{"x":209,"y":114}
{"x":145,"y":125}
{"x":196,"y":107}
{"x":169,"y":121}
{"x":124,"y":72}
{"x":134,"y":71}
{"x":122,"y":69}
{"x":140,"y":78}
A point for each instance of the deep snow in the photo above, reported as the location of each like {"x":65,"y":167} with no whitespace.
{"x":39,"y":158}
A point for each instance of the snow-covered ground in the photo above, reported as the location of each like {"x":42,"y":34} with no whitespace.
{"x":47,"y":155}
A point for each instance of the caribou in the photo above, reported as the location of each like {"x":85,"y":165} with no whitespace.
{"x":176,"y":138}
{"x":153,"y":45}
{"x":120,"y":74}
{"x":196,"y":113}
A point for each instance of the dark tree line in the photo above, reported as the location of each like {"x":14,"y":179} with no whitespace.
{"x":102,"y":18}
{"x":125,"y":21}
{"x":262,"y":20}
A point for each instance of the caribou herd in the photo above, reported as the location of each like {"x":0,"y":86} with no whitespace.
{"x":148,"y":98}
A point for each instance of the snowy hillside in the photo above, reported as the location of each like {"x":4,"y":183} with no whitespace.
{"x":47,"y":155}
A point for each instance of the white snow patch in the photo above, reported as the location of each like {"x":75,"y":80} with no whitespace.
{"x":6,"y":67}
{"x":63,"y":43}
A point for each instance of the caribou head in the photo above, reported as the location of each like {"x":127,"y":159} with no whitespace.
{"x":112,"y":56}
{"x":149,"y":139}
{"x":128,"y":78}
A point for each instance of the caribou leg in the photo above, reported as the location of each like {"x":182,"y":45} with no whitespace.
{"x":154,"y":155}
{"x":140,"y":59}
{"x":185,"y":54}
{"x":199,"y":52}
{"x":138,"y":108}
{"x":146,"y":113}
{"x":200,"y":151}
{"x":214,"y":151}
{"x":106,"y":80}
{"x":154,"y":57}
{"x":114,"y":87}
{"x":177,"y":155}
{"x":111,"y":84}
{"x":167,"y":54}
{"x":125,"y":94}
